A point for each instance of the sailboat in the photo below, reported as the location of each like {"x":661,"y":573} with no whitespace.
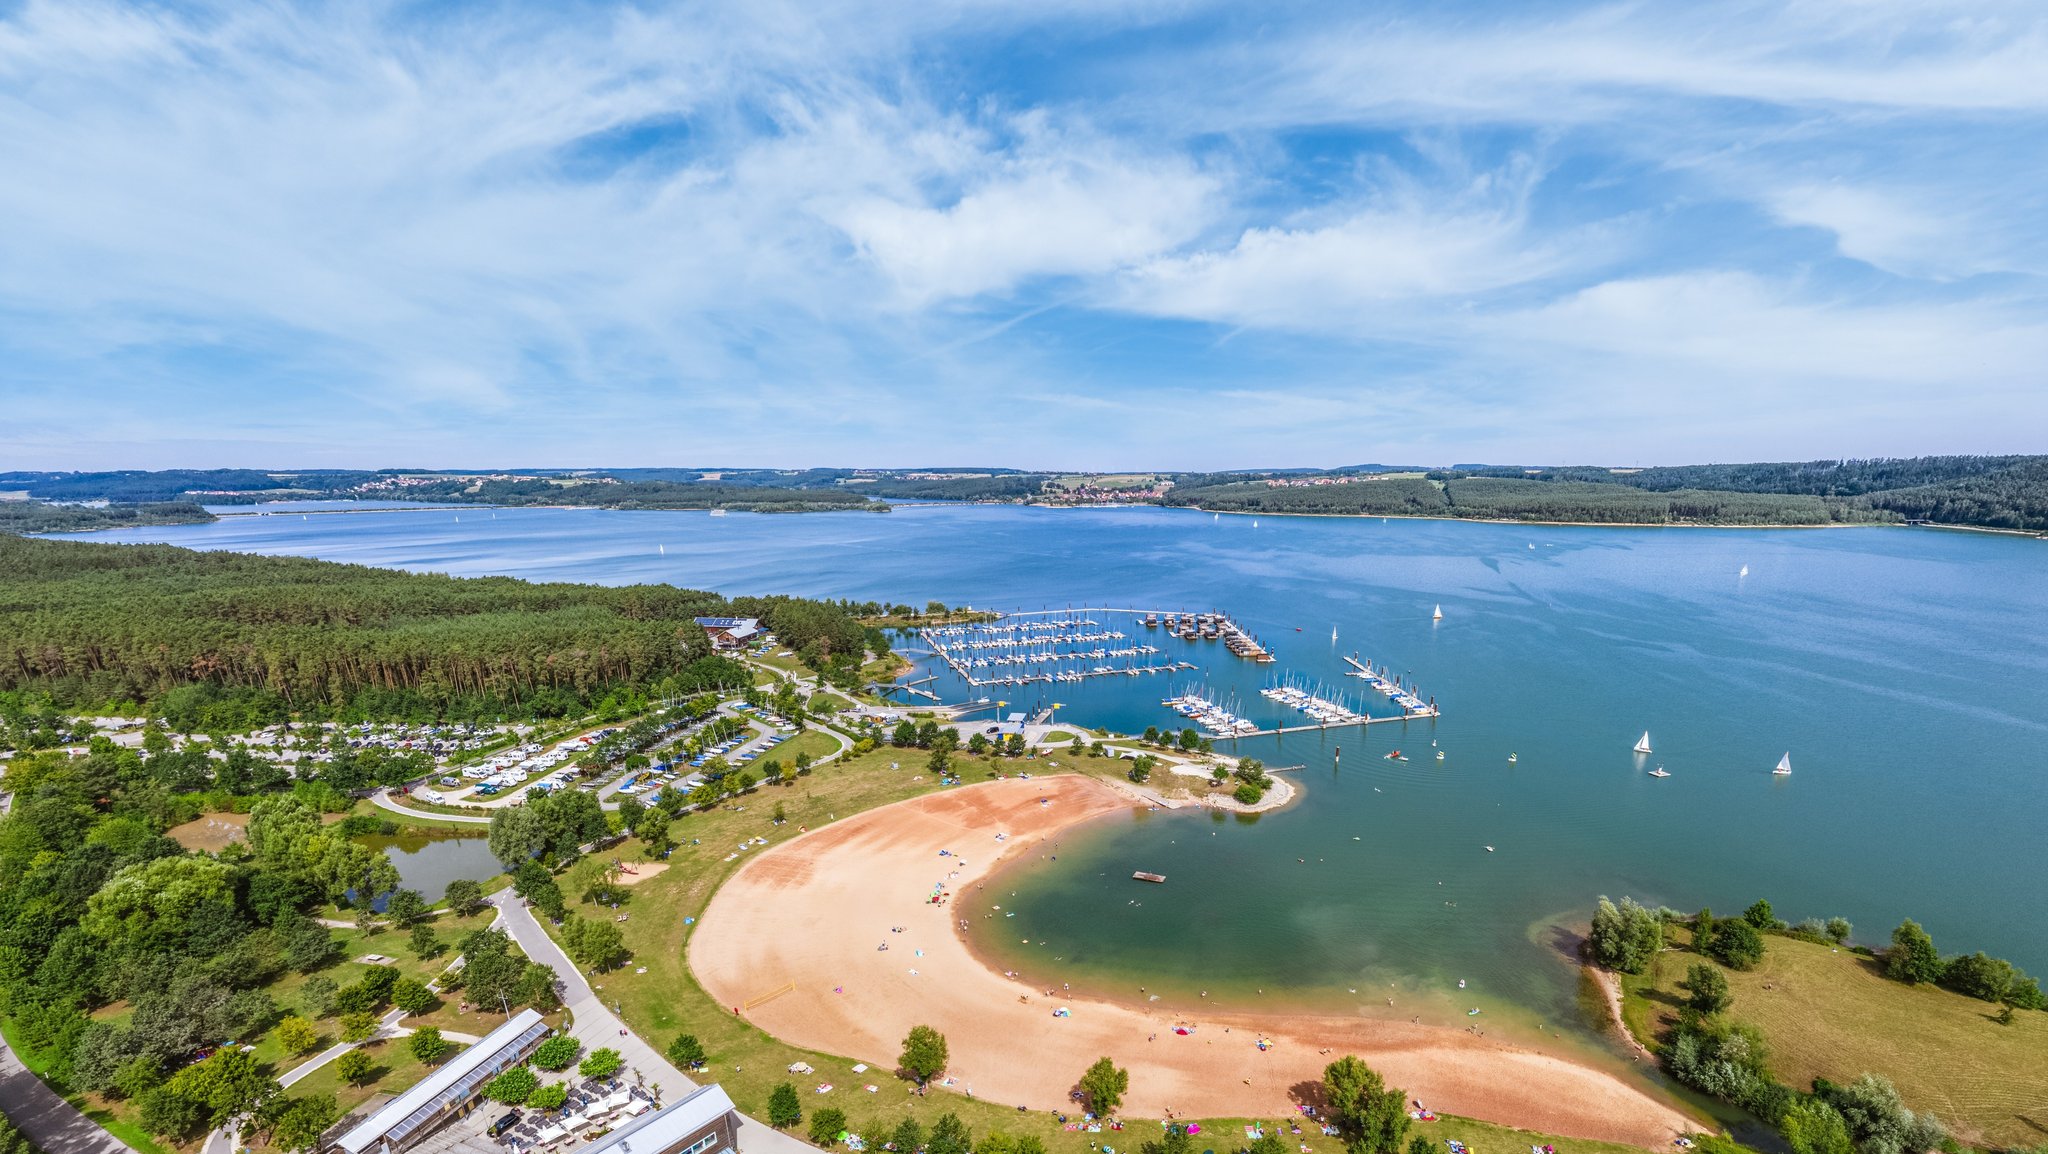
{"x":1438,"y":615}
{"x":662,"y":549}
{"x":1784,"y":766}
{"x":1255,"y":522}
{"x":1512,"y":758}
{"x":1333,"y":635}
{"x":1643,"y":742}
{"x":1744,"y":573}
{"x":1659,"y":772}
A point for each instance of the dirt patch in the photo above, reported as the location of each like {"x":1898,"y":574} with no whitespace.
{"x":211,"y":832}
{"x":642,"y":871}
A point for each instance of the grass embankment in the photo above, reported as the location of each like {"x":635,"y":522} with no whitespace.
{"x":1829,"y":1013}
{"x":667,"y":1001}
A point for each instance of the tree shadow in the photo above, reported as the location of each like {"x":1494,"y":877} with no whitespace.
{"x":1308,"y":1093}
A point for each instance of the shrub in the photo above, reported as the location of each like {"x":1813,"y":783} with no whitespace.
{"x":827,"y":1125}
{"x":1246,"y":793}
{"x":1737,"y":944}
{"x":1760,"y":915}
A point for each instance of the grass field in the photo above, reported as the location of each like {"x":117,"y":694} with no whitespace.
{"x":1832,"y":1014}
{"x":667,"y":1001}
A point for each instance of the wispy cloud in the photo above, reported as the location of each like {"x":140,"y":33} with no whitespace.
{"x":275,"y":233}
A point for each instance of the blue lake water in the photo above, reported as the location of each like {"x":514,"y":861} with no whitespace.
{"x":1904,"y":670}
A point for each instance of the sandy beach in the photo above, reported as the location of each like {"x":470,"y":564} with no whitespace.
{"x":812,"y":913}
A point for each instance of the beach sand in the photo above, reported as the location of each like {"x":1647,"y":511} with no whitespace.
{"x":813,"y":911}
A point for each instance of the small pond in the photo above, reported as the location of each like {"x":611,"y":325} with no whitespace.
{"x":428,"y":860}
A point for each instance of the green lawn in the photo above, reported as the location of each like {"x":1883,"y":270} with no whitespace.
{"x":1832,"y":1014}
{"x":667,"y":1001}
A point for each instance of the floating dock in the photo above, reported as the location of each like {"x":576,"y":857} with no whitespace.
{"x":1142,"y":876}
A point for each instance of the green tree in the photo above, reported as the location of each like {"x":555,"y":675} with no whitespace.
{"x":686,"y":1051}
{"x":463,"y":897}
{"x":296,"y":1034}
{"x":1246,"y":793}
{"x":949,"y":1136}
{"x":784,"y":1110}
{"x":1103,"y":1086}
{"x":1709,"y":988}
{"x":827,"y":1125}
{"x":359,"y":1026}
{"x":353,"y":1067}
{"x":517,"y":834}
{"x":1759,"y":915}
{"x":557,"y":1053}
{"x":1811,"y":1126}
{"x":602,"y":1063}
{"x":1421,"y":1145}
{"x":1838,"y":930}
{"x":296,"y":1124}
{"x":1737,"y":944}
{"x":514,"y":1086}
{"x":412,"y":996}
{"x":924,"y":1053}
{"x":1912,"y":958}
{"x":908,"y":1136}
{"x":427,"y":1044}
{"x":1624,"y":937}
{"x":1367,"y":1114}
{"x":1175,"y":1140}
{"x":552,"y":1096}
{"x":425,"y":942}
{"x":405,"y":908}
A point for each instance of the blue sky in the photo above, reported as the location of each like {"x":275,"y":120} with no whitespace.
{"x":1035,"y":234}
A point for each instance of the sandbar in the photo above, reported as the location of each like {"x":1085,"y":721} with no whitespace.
{"x":797,"y":931}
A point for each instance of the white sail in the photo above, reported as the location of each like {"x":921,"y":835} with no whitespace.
{"x":1643,"y":742}
{"x":1784,"y":765}
{"x":1744,"y":573}
{"x":1438,"y":615}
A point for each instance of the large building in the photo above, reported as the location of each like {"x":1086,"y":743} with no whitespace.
{"x":730,"y":632}
{"x":449,"y":1092}
{"x":703,"y":1122}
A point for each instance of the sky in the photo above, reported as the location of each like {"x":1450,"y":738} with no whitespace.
{"x":1042,"y":234}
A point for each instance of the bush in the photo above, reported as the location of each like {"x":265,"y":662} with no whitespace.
{"x":686,"y":1051}
{"x":557,"y":1053}
{"x":827,"y":1125}
{"x":1760,"y":915}
{"x":1737,"y":944}
{"x":1246,"y":793}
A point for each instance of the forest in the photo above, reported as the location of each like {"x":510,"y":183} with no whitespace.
{"x":37,"y":517}
{"x":93,"y":626}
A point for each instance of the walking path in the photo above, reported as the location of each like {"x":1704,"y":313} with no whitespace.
{"x":50,"y":1122}
{"x":596,"y":1026}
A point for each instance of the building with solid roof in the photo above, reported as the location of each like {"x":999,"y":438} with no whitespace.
{"x":704,"y":1121}
{"x":449,"y":1092}
{"x":730,"y":632}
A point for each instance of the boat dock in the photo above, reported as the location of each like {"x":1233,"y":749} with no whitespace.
{"x":1142,"y":876}
{"x":1311,"y":727}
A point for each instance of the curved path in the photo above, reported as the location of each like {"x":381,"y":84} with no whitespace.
{"x":50,"y":1122}
{"x":811,"y":910}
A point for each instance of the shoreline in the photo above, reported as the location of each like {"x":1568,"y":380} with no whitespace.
{"x":834,"y":938}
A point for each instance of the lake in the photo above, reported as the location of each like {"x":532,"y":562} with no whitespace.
{"x":1905,"y":671}
{"x":428,"y":860}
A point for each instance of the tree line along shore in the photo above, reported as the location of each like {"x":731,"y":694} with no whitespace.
{"x":1991,"y":492}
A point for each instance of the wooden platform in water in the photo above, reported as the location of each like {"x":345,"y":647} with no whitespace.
{"x":1142,"y":876}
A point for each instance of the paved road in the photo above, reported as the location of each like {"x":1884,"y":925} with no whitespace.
{"x":48,"y":1120}
{"x":596,"y":1026}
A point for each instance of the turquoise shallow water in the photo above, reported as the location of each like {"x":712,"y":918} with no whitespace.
{"x":1903,"y":669}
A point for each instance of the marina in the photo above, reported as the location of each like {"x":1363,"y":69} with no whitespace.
{"x":1072,"y":645}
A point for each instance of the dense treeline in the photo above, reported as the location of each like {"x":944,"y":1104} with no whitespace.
{"x":36,"y":517}
{"x":91,"y":625}
{"x":1002,"y":487}
{"x":133,"y":486}
{"x":637,"y":495}
{"x":1502,"y":499}
{"x":1389,"y":497}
